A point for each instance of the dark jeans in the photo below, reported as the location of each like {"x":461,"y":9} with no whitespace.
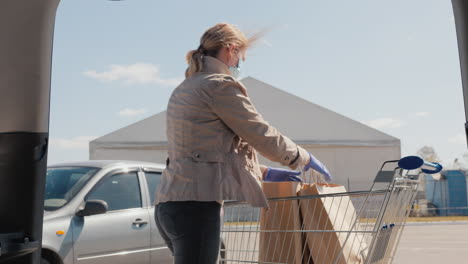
{"x":191,"y":230}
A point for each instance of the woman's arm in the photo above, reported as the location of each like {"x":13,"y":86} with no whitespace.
{"x":231,"y":103}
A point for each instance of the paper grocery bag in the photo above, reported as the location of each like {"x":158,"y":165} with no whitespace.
{"x":275,"y":245}
{"x":330,"y":219}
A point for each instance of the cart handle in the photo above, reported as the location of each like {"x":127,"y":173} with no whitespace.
{"x":415,"y":162}
{"x":437,"y":167}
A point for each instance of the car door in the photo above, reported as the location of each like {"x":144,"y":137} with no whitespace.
{"x":122,"y":234}
{"x":159,"y":251}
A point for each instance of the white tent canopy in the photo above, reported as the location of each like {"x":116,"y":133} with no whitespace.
{"x":351,"y":150}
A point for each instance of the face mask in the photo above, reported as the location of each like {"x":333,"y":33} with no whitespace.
{"x":235,"y":71}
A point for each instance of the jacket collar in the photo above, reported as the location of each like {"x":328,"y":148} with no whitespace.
{"x":213,"y":65}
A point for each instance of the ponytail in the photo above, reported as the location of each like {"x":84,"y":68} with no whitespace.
{"x":194,"y":61}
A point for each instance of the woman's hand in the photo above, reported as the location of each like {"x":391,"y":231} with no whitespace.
{"x":282,"y":175}
{"x":318,"y":166}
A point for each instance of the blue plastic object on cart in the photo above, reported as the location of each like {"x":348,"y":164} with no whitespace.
{"x":415,"y":162}
{"x":410,"y":162}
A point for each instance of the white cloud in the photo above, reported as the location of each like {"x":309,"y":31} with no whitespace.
{"x":129,"y":112}
{"x":383,"y":123}
{"x":81,"y":142}
{"x":138,"y":73}
{"x":458,"y":139}
{"x":421,"y":114}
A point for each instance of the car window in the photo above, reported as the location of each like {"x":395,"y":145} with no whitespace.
{"x":63,"y":183}
{"x":152,"y":178}
{"x":120,"y":191}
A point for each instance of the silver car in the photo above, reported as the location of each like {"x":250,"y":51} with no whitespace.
{"x":102,"y":212}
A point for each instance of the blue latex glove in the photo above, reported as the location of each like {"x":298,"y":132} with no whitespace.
{"x":282,"y":175}
{"x":318,"y":166}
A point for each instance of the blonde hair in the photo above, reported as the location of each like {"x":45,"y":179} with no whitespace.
{"x":213,"y":40}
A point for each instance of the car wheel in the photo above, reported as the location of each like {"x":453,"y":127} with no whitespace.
{"x":45,"y":261}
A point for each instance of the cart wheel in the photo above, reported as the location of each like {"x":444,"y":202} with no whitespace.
{"x":222,"y":253}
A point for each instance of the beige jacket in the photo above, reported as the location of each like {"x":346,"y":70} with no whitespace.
{"x":213,"y":133}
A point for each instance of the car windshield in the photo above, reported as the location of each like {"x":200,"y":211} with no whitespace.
{"x":63,"y":183}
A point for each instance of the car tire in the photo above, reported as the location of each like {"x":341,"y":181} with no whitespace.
{"x":45,"y":261}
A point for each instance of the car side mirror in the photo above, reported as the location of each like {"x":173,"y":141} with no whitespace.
{"x":93,"y":207}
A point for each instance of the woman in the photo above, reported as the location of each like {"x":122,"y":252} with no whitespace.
{"x":213,"y":133}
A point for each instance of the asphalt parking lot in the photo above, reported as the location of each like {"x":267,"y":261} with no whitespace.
{"x":433,"y":243}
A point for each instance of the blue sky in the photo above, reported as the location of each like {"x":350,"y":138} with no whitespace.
{"x":390,"y":64}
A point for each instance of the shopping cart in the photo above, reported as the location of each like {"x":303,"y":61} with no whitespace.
{"x":362,"y":226}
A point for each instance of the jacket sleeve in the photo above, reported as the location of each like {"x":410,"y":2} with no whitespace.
{"x":232,"y":105}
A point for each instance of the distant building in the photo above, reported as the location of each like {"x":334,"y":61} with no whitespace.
{"x":447,"y":192}
{"x":352,"y":151}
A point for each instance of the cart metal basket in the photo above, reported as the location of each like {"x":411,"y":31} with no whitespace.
{"x":375,"y":220}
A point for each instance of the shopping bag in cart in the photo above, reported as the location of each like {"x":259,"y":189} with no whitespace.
{"x":280,"y":225}
{"x":331,"y":236}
